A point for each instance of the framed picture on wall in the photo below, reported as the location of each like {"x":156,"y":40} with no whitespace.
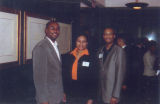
{"x":34,"y":31}
{"x":65,"y":38}
{"x":10,"y":29}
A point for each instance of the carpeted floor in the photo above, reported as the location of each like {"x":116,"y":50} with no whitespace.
{"x":17,"y":88}
{"x":27,"y":97}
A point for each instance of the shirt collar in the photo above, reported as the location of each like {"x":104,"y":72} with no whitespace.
{"x":105,"y":50}
{"x":53,"y":43}
{"x":84,"y":52}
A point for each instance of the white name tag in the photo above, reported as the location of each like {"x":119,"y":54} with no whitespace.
{"x":100,"y":55}
{"x":86,"y":64}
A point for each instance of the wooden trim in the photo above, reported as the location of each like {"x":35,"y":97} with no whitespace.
{"x":38,"y":16}
{"x":19,"y":37}
{"x":9,"y":65}
{"x":24,"y":40}
{"x":9,"y":10}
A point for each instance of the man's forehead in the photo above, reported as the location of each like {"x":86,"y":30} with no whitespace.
{"x":108,"y":31}
{"x":120,"y":39}
{"x":53,"y":24}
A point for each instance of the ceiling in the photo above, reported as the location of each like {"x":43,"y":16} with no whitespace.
{"x":121,"y":3}
{"x":62,"y":1}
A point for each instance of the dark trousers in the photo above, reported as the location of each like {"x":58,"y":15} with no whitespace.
{"x":56,"y":103}
{"x":105,"y":103}
{"x":78,"y":92}
{"x":101,"y":102}
{"x":149,"y":88}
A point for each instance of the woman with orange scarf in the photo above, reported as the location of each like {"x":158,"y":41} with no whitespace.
{"x":79,"y":74}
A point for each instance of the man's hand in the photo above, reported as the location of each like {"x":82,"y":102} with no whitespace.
{"x":64,"y":98}
{"x":114,"y":100}
{"x":45,"y":103}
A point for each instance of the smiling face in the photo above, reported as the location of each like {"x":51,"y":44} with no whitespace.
{"x":52,"y":31}
{"x":108,"y":35}
{"x":81,"y":43}
{"x":120,"y":42}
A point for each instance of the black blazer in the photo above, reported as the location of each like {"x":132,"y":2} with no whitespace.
{"x":86,"y":75}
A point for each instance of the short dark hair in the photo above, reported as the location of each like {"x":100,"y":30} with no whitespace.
{"x":50,"y":22}
{"x":111,"y":29}
{"x":152,"y":43}
{"x":83,"y":36}
{"x":121,"y":37}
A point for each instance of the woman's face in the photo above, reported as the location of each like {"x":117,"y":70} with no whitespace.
{"x":81,"y":43}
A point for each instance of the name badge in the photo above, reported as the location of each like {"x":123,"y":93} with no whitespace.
{"x":86,"y":64}
{"x":101,"y":55}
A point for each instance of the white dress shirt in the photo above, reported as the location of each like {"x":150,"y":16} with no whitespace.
{"x":55,"y":44}
{"x":149,"y":60}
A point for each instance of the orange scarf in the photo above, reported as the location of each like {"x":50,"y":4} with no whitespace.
{"x":75,"y":64}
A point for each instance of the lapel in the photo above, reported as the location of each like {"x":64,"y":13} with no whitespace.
{"x":53,"y":50}
{"x":103,"y":63}
{"x":101,"y":57}
{"x":59,"y":53}
{"x":109,"y":56}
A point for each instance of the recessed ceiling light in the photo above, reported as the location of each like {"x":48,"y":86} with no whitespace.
{"x":137,"y":5}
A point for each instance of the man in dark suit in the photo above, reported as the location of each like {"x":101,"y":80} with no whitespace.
{"x":47,"y":70}
{"x":112,"y":67}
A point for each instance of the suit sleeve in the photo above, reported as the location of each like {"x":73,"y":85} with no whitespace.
{"x":64,"y":71}
{"x":40,"y":74}
{"x":119,"y":73}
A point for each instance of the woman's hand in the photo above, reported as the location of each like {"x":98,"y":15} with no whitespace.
{"x":114,"y":100}
{"x":64,"y":98}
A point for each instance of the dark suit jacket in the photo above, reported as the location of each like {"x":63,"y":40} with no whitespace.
{"x":87,"y":76}
{"x":47,"y":73}
{"x":111,"y":73}
{"x":127,"y":50}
